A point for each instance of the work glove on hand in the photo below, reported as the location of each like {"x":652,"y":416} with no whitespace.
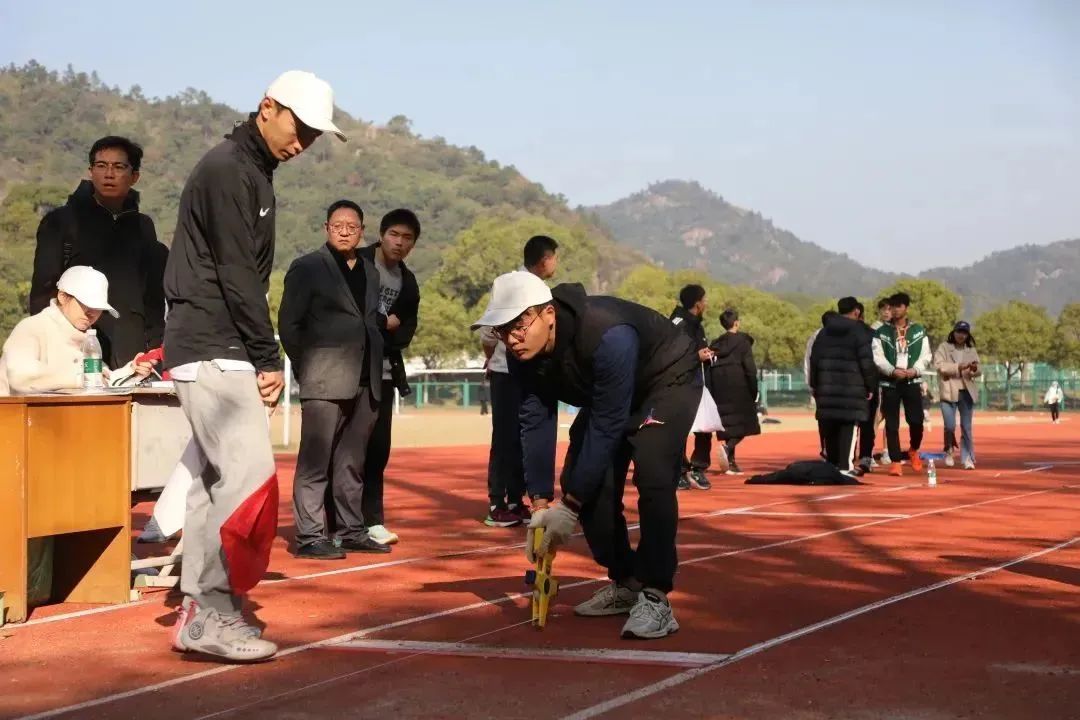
{"x":558,"y":522}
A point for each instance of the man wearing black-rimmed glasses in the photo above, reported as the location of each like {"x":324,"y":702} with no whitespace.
{"x":636,"y":378}
{"x":101,"y":226}
{"x":329,"y":330}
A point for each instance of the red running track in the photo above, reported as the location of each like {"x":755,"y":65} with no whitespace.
{"x":890,"y":599}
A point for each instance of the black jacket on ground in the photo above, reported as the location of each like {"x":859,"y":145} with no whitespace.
{"x":218,"y":274}
{"x":842,"y":370}
{"x":326,"y":333}
{"x":734,"y":386}
{"x":406,"y":306}
{"x":805,"y":472}
{"x":125,"y":249}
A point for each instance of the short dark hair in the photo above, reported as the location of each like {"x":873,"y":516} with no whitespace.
{"x":401,"y":216}
{"x":847,"y":305}
{"x":861,"y":308}
{"x":537,"y":248}
{"x":900,"y":298}
{"x":728,"y":318}
{"x":882,"y":303}
{"x":133,"y":151}
{"x":691,"y":295}
{"x":347,"y":204}
{"x":826,"y":315}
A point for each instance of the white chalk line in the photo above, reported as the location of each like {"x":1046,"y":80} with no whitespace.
{"x":687,"y":675}
{"x":600,"y":655}
{"x":756,"y":513}
{"x":489,"y":603}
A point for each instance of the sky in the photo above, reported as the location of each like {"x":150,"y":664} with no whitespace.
{"x":906,"y":134}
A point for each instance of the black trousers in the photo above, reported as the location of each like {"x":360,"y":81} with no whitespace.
{"x":506,"y":472}
{"x":333,"y":442}
{"x":701,"y":459}
{"x":1055,"y":411}
{"x":909,"y":395}
{"x":867,"y":430}
{"x":840,"y":443}
{"x":656,"y":451}
{"x":378,"y":455}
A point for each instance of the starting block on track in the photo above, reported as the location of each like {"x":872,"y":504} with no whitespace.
{"x":545,"y":587}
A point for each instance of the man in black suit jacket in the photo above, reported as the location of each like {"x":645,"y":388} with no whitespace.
{"x":329,"y":330}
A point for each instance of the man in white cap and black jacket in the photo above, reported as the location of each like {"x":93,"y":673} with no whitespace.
{"x":636,"y":378}
{"x":221,"y":351}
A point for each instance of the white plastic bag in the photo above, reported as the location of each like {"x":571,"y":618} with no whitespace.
{"x":707,"y":419}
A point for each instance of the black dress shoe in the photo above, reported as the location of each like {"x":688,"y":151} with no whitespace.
{"x":320,"y":550}
{"x":366,"y":545}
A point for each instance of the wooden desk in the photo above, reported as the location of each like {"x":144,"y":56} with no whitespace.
{"x":65,"y":467}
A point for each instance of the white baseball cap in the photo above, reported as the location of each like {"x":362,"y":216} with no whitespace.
{"x":88,"y":286}
{"x":310,"y":98}
{"x":511,"y":295}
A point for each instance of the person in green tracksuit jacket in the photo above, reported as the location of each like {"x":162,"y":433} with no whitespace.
{"x":902,"y":355}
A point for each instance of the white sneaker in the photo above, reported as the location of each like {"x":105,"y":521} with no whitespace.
{"x":885,"y":459}
{"x":949,"y":460}
{"x":612,"y":599}
{"x":969,"y":464}
{"x":225,"y":636}
{"x":381,"y":535}
{"x":651,"y":617}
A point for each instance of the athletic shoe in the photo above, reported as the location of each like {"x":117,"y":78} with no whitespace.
{"x":969,"y":464}
{"x":501,"y":517}
{"x":684,"y":482}
{"x":873,"y":463}
{"x":521,"y":511}
{"x":320,"y":550}
{"x":612,"y":599}
{"x":896,"y":469}
{"x":734,"y":469}
{"x":364,"y":545}
{"x":225,"y":636}
{"x":885,"y":459}
{"x":651,"y":617}
{"x":866,"y":465}
{"x":915,"y":460}
{"x":950,"y":460}
{"x":380,"y":534}
{"x":698,"y":480}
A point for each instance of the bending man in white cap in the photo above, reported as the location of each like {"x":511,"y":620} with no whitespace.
{"x":637,"y":379}
{"x":221,"y":351}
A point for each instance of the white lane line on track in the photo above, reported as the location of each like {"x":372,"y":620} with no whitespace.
{"x":687,"y":675}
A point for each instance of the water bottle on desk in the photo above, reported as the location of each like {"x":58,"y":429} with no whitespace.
{"x":93,"y":379}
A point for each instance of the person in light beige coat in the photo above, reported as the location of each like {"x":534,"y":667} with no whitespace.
{"x":44,"y":351}
{"x":957,"y":363}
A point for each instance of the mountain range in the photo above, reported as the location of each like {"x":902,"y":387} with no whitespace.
{"x":682,"y":225}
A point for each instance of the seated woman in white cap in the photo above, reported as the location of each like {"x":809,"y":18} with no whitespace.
{"x":44,"y":351}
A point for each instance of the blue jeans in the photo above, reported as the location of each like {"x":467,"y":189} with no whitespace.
{"x":948,"y":413}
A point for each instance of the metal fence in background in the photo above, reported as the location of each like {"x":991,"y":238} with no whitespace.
{"x":467,"y":388}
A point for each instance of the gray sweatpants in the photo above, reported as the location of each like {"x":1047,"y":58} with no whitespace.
{"x":228,"y":423}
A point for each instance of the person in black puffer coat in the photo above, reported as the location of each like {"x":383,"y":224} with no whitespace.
{"x":843,"y":375}
{"x":733,"y":382}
